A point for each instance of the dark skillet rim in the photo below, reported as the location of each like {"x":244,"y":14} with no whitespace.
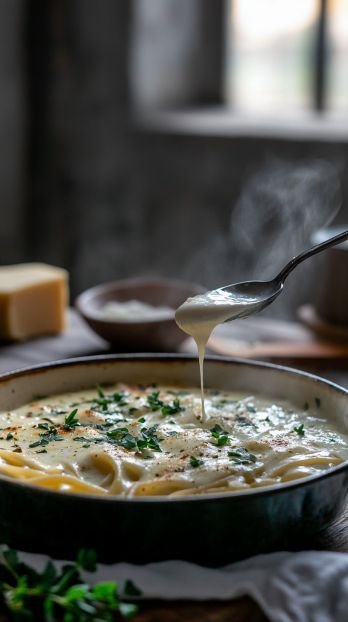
{"x":197,"y":499}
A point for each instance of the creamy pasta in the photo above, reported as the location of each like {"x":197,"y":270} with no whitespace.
{"x":135,"y":441}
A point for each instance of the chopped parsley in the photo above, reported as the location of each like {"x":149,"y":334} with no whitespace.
{"x":105,"y":403}
{"x":299,"y":429}
{"x":240,"y":455}
{"x":9,"y":436}
{"x":195,"y":462}
{"x":147,"y":439}
{"x":172,"y":409}
{"x":153,"y":402}
{"x":47,"y":437}
{"x":90,"y":439}
{"x":122,"y":437}
{"x":219,"y":434}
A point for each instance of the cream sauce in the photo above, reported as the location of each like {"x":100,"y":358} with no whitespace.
{"x":135,"y":440}
{"x":198,"y":317}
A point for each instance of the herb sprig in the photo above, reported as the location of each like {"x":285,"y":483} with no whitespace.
{"x":26,"y":594}
{"x":71,"y":421}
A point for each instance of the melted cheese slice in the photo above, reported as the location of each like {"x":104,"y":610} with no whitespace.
{"x":143,"y":441}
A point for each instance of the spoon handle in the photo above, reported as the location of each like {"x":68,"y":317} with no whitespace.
{"x":311,"y":251}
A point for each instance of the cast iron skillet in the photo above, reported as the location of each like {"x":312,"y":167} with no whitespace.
{"x":208,"y":529}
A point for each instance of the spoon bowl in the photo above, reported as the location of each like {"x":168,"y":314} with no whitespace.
{"x":249,"y":297}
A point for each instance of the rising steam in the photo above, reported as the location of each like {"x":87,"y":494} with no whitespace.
{"x":280,"y":207}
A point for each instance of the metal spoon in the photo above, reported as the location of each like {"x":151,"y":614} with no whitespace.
{"x":251,"y":297}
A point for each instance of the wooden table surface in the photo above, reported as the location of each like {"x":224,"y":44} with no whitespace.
{"x":80,"y":341}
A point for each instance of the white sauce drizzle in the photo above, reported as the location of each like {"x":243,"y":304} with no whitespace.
{"x":198,"y":316}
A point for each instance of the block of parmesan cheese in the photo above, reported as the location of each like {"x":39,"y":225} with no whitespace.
{"x":33,"y":300}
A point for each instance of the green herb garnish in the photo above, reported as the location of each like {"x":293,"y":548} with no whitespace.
{"x":195,"y":462}
{"x":71,"y":421}
{"x":219,"y":434}
{"x":149,"y":439}
{"x":122,"y":437}
{"x":172,"y":409}
{"x":240,"y":455}
{"x":90,"y":439}
{"x":47,"y":437}
{"x":53,"y":594}
{"x":299,"y":429}
{"x":153,"y":402}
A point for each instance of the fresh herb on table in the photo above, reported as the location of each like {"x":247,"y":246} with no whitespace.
{"x":219,"y":434}
{"x":71,"y":421}
{"x":299,"y":429}
{"x":195,"y":462}
{"x":32,"y":596}
{"x":240,"y":455}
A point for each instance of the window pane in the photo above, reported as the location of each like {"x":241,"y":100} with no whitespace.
{"x":270,"y":54}
{"x":337,"y":79}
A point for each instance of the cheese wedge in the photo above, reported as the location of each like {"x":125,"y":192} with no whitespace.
{"x":33,"y":300}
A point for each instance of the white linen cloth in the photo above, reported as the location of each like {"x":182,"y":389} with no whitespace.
{"x":309,"y":586}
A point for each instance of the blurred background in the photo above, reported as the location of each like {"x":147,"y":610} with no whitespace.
{"x":197,"y":139}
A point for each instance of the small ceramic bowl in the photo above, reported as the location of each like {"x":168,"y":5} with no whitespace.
{"x":151,"y":335}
